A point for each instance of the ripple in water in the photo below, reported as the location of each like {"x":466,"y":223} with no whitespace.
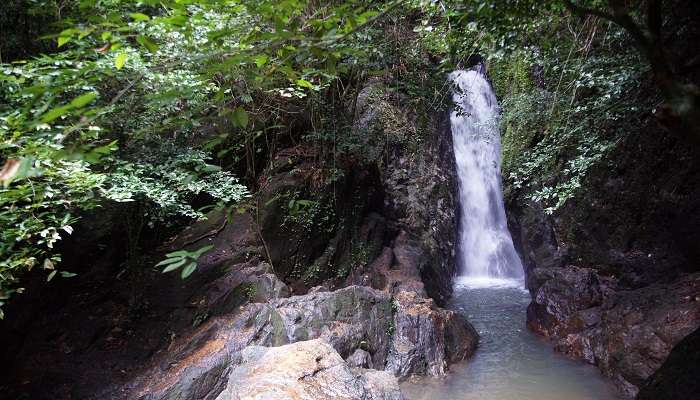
{"x":511,"y":363}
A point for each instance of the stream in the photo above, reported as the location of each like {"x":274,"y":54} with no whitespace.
{"x":511,"y":362}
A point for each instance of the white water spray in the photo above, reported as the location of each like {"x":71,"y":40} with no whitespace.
{"x":486,"y":255}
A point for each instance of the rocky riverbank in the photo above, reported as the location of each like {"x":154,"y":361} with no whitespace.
{"x":347,"y":275}
{"x":613,"y":273}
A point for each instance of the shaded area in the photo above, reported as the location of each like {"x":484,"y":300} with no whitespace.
{"x":678,"y":376}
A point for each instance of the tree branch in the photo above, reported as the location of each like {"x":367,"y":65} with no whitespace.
{"x":618,"y":17}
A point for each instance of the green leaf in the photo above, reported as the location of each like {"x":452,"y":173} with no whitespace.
{"x":65,"y":36}
{"x":260,"y":60}
{"x":120,"y":60}
{"x":306,"y":84}
{"x":202,"y":250}
{"x":83,"y":100}
{"x":168,"y":261}
{"x":173,"y":267}
{"x":175,"y":20}
{"x":147,"y":43}
{"x":55,"y":113}
{"x":66,"y":274}
{"x":179,"y":253}
{"x":139,"y":17}
{"x":240,"y":117}
{"x":188,"y":270}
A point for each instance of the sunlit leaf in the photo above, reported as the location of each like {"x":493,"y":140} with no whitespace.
{"x":120,"y":60}
{"x":63,"y":40}
{"x":306,"y":84}
{"x":139,"y":17}
{"x":260,"y":60}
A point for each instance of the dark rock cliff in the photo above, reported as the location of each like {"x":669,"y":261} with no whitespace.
{"x":615,"y":273}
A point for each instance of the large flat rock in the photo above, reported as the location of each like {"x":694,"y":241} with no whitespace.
{"x":308,"y":370}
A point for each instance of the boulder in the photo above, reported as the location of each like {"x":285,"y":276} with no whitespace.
{"x":360,"y":359}
{"x":348,"y":319}
{"x":307,"y":370}
{"x":425,"y":338}
{"x":562,"y":292}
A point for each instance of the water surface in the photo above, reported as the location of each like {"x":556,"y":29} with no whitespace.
{"x":511,"y":363}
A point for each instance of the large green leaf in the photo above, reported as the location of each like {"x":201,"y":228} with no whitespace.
{"x":83,"y":100}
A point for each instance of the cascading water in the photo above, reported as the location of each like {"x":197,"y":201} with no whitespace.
{"x":485,"y":250}
{"x":511,"y":363}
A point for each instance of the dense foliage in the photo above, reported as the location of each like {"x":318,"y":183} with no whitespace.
{"x":161,"y":103}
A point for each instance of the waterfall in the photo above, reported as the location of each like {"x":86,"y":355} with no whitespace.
{"x":485,"y":247}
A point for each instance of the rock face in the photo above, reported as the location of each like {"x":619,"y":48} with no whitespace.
{"x":425,"y":338}
{"x":613,"y":272}
{"x":359,"y":323}
{"x":419,"y":186}
{"x":678,"y":376}
{"x":348,"y":319}
{"x":626,"y":333}
{"x":307,"y":370}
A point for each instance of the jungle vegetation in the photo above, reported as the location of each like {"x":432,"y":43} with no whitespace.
{"x":172,"y":107}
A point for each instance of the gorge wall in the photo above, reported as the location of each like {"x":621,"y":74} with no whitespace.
{"x":614,"y":273}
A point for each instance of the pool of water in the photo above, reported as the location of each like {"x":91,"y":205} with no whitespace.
{"x":511,"y":363}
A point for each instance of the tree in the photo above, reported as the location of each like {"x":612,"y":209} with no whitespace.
{"x":682,"y":97}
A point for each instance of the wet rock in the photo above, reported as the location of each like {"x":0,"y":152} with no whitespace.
{"x":419,"y":185}
{"x":310,"y":370}
{"x":348,"y":319}
{"x":426,"y":338}
{"x":248,"y":282}
{"x":406,"y":336}
{"x":627,"y":333}
{"x":561,"y":292}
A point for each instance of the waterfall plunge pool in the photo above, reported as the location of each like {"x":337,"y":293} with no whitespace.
{"x":511,"y":362}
